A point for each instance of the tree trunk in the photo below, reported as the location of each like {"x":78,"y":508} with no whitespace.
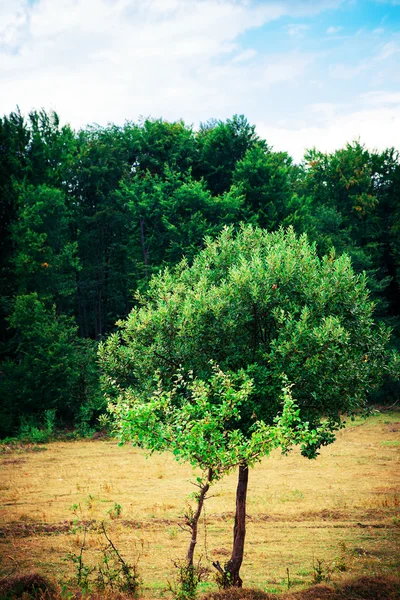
{"x":232,"y":568}
{"x":192,"y":520}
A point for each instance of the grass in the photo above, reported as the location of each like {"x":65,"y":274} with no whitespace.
{"x":338,"y":514}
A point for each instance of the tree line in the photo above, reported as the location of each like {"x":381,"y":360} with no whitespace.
{"x":87,"y":217}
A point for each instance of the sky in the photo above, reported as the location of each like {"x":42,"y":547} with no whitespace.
{"x":307,"y":74}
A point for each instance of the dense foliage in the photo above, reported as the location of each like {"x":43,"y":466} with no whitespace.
{"x":271,"y":314}
{"x":261,"y":305}
{"x":87,"y":217}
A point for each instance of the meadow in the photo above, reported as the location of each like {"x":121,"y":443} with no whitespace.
{"x":328,"y":519}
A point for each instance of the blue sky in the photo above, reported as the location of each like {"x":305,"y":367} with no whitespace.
{"x":305,"y":73}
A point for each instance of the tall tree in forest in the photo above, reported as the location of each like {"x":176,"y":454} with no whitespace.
{"x":50,"y":368}
{"x":50,"y":151}
{"x":170,"y":217}
{"x":349,"y":200}
{"x":264,"y":307}
{"x":266,"y":180}
{"x":104,"y":157}
{"x":220,"y":146}
{"x":386,"y":181}
{"x":345,"y":194}
{"x":165,"y":145}
{"x":14,"y":137}
{"x":45,"y":259}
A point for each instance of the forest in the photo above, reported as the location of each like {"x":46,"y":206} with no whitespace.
{"x":87,"y":217}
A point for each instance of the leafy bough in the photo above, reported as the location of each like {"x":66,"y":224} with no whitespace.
{"x":198,"y":421}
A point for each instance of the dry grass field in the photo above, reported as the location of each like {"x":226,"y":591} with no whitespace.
{"x":339,"y":514}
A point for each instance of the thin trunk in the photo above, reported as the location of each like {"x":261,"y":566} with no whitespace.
{"x":106,"y":271}
{"x":98,"y":311}
{"x":82,"y":313}
{"x":192,"y":520}
{"x":232,"y":568}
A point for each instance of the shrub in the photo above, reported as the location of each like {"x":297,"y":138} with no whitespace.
{"x":30,"y":587}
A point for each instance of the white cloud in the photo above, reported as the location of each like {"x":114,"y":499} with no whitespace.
{"x":381,"y":98}
{"x":347,"y":71}
{"x":13,"y":23}
{"x":374,"y":65}
{"x":388,"y":50}
{"x":107,"y":60}
{"x":111,"y":60}
{"x":377,"y":128}
{"x":333,"y":30}
{"x":286,"y":68}
{"x":245,"y":55}
{"x":296,"y":29}
{"x":324,"y":110}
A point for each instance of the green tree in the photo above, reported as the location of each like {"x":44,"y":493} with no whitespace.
{"x":104,"y":157}
{"x":266,"y":180}
{"x":14,"y":137}
{"x":50,"y":368}
{"x":170,"y":215}
{"x":386,"y":181}
{"x":34,"y":152}
{"x":349,"y":200}
{"x":348,"y":190}
{"x":45,"y":258}
{"x":50,"y":151}
{"x":162,"y":145}
{"x":263,"y":307}
{"x":220,"y":145}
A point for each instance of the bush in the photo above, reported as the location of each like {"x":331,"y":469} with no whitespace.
{"x":30,"y":587}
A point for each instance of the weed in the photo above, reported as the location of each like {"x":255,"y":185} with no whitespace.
{"x":82,"y":571}
{"x":303,"y":572}
{"x":321,"y":571}
{"x":289,"y":581}
{"x":113,"y":573}
{"x":223,"y":578}
{"x":32,"y":433}
{"x":293,"y":496}
{"x":78,"y":524}
{"x":172,"y":532}
{"x":115,"y":511}
{"x":89,"y":502}
{"x":187,"y":579}
{"x":241,"y":594}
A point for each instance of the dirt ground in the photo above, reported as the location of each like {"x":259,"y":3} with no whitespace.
{"x":331,"y":518}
